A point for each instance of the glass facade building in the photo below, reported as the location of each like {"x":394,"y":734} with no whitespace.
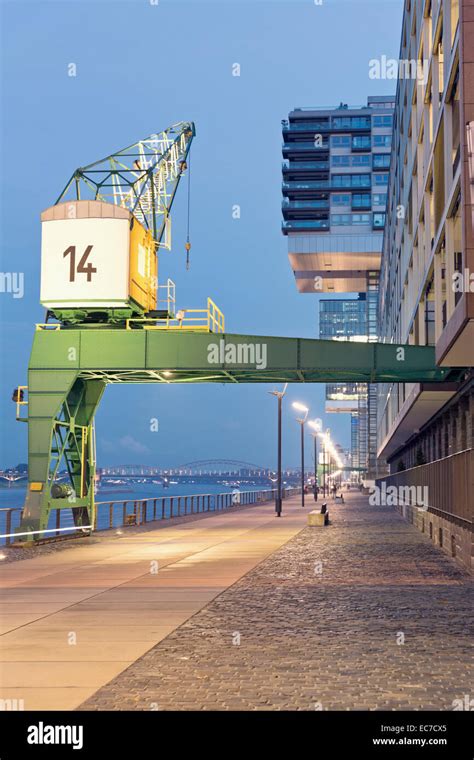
{"x":335,"y":179}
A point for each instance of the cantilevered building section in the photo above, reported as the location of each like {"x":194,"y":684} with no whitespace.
{"x":426,"y":433}
{"x":335,"y":176}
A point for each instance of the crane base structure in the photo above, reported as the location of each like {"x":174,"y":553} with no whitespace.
{"x":69,"y":369}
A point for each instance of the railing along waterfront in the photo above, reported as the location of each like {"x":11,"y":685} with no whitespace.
{"x":448,"y":484}
{"x":121,"y":513}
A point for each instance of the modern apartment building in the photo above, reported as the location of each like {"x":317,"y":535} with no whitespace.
{"x":335,"y":178}
{"x":426,"y":432}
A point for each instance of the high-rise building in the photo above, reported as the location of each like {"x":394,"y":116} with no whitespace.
{"x":426,"y":431}
{"x":335,"y":177}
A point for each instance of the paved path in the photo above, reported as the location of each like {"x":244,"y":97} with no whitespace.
{"x":74,"y":619}
{"x":364,"y":614}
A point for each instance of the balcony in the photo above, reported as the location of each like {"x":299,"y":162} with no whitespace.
{"x":308,"y":147}
{"x":303,"y":166}
{"x":340,"y":183}
{"x":301,"y":205}
{"x":316,"y":225}
{"x":310,"y":186}
{"x":308,"y":126}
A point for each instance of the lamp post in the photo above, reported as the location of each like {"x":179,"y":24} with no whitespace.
{"x":302,"y":420}
{"x":330,"y":448}
{"x":316,"y":425}
{"x":326,"y":468}
{"x":325,"y":439}
{"x":278,"y":499}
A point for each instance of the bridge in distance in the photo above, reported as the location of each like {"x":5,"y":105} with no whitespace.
{"x":207,"y":471}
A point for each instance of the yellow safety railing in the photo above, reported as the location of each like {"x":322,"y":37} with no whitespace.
{"x":20,"y":402}
{"x":216,"y":320}
{"x":168,"y":297}
{"x":197,"y":320}
{"x":47,"y":326}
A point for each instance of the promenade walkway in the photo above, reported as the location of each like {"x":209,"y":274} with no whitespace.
{"x":362,"y":615}
{"x":73,"y":619}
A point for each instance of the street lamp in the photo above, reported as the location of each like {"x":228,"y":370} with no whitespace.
{"x":301,"y":420}
{"x":325,"y":439}
{"x":316,"y":426}
{"x":331,"y":455}
{"x":278,"y":499}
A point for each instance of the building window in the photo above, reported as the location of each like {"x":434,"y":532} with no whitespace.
{"x":383,"y":121}
{"x":378,"y":221}
{"x":341,"y":220}
{"x":380,"y":199}
{"x":341,"y":199}
{"x":360,"y":122}
{"x":341,"y":122}
{"x":361,"y":142}
{"x":351,"y":122}
{"x":381,"y":160}
{"x":382,"y":141}
{"x":454,"y":19}
{"x":360,"y":160}
{"x":340,"y":160}
{"x":361,"y":201}
{"x":351,"y":180}
{"x":341,"y":141}
{"x":430,"y":315}
{"x":455,"y":122}
{"x":380,"y":179}
{"x":360,"y":218}
{"x":347,"y":220}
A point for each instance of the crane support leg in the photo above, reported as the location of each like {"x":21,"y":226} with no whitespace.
{"x":61,"y":408}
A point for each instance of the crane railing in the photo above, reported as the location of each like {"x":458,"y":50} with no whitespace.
{"x":210,"y":319}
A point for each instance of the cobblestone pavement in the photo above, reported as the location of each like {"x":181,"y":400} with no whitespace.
{"x":364,"y":614}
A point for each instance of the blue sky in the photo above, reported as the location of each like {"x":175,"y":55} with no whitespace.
{"x":141,"y":67}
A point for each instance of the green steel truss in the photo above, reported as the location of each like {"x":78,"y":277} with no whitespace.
{"x":142,"y":177}
{"x":69,"y":369}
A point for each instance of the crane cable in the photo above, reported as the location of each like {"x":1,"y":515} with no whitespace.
{"x":187,"y":245}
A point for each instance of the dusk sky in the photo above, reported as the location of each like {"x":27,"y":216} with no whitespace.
{"x":141,"y":67}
